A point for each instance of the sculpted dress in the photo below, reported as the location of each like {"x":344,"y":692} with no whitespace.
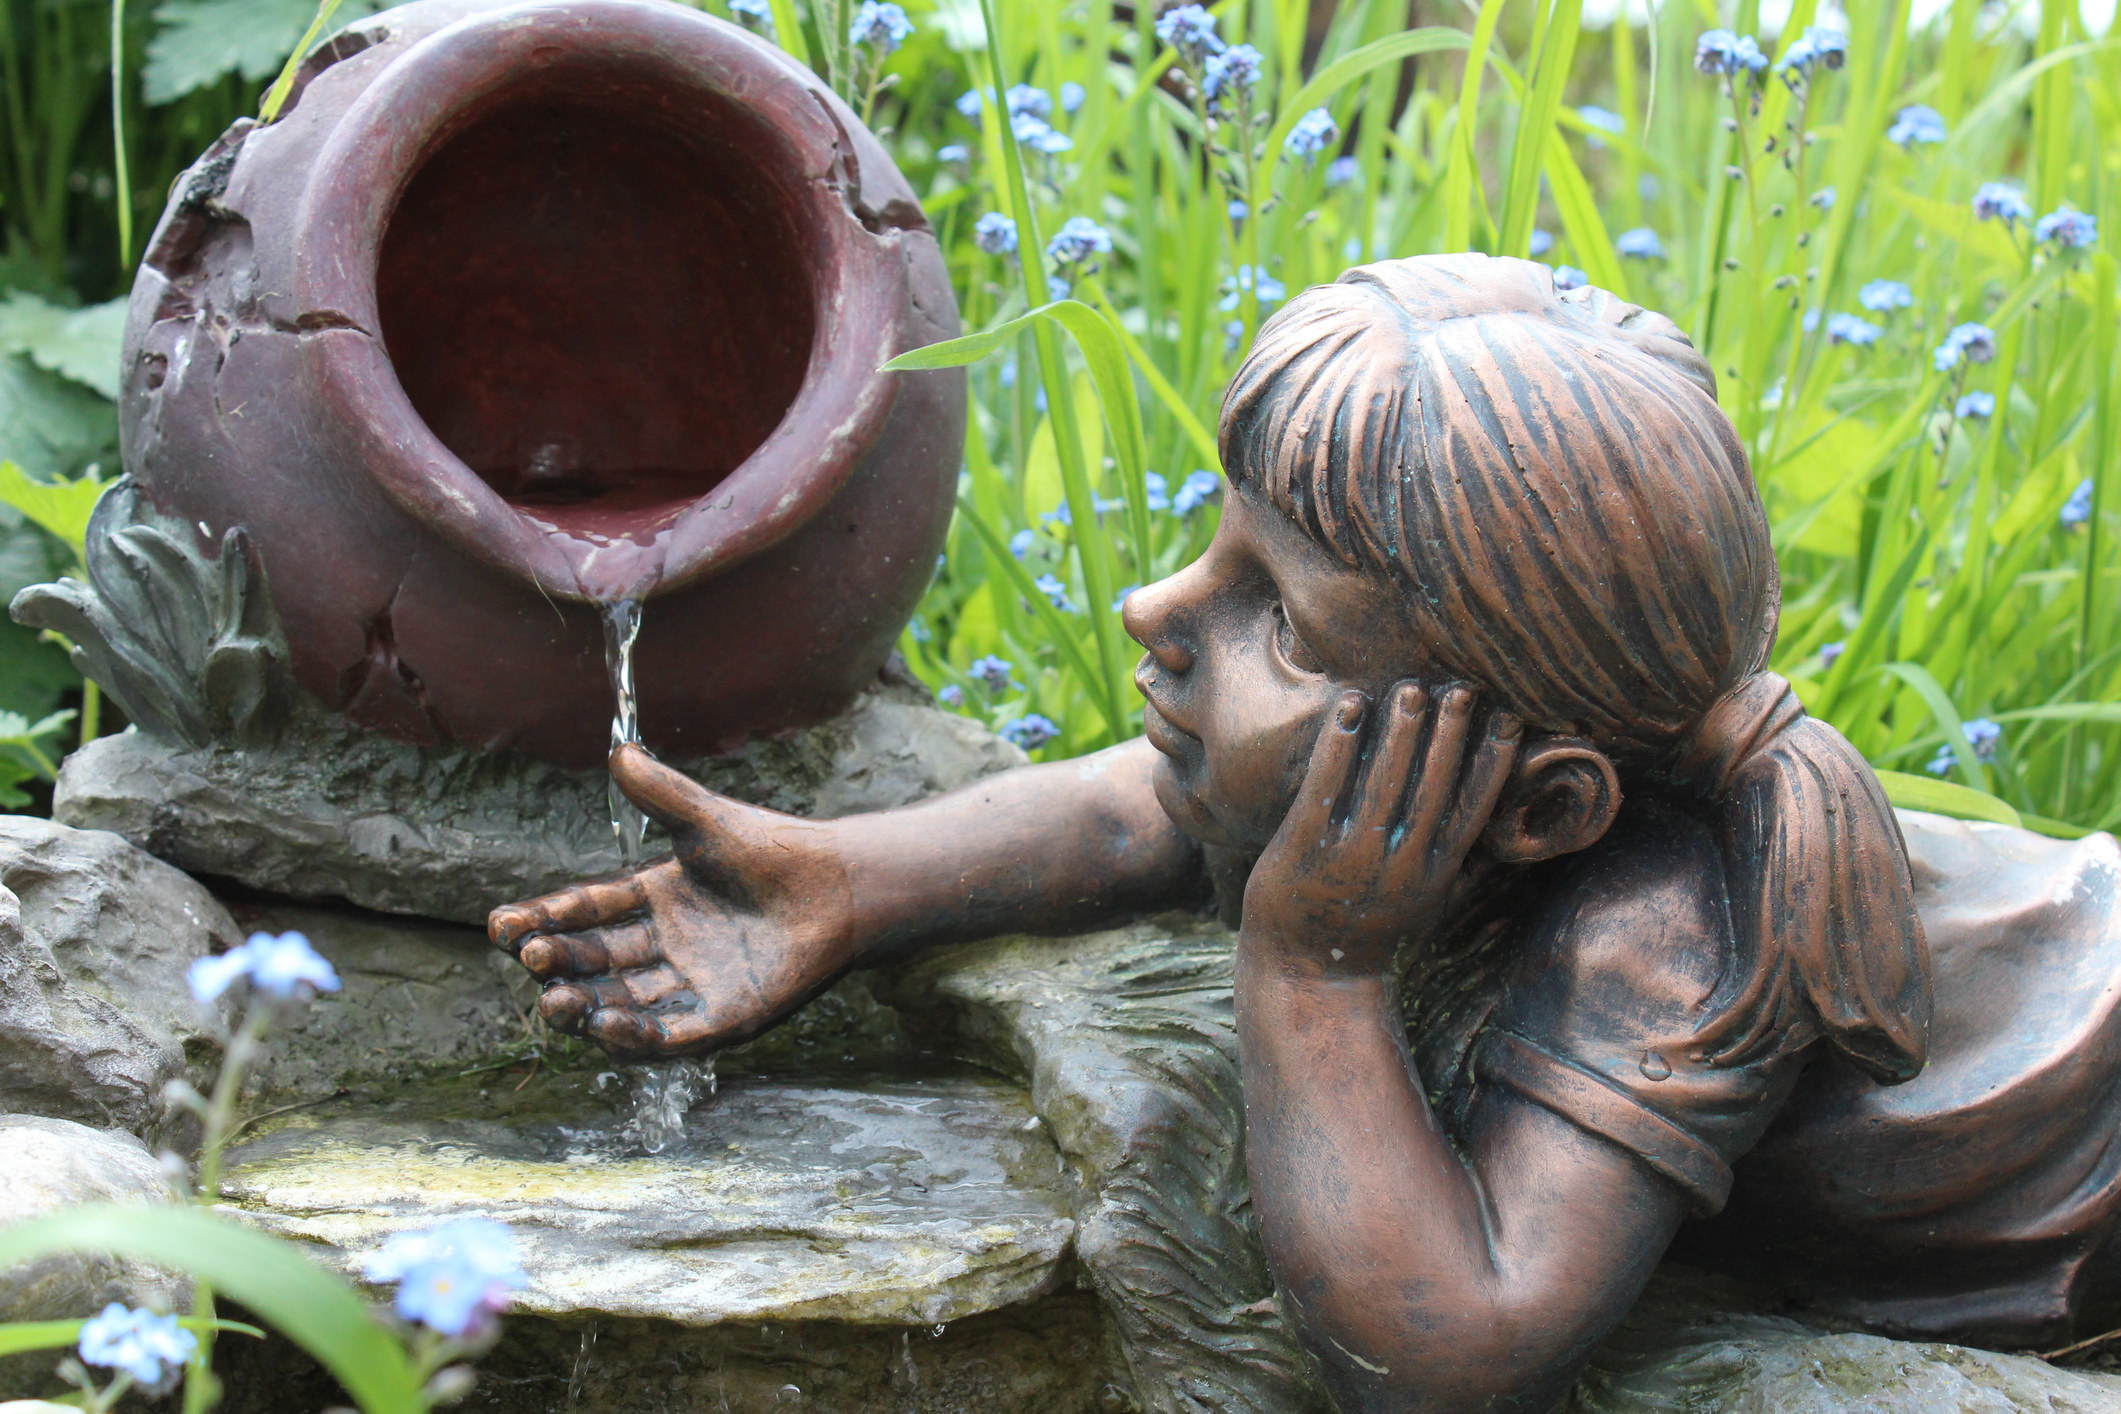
{"x":1976,"y":1202}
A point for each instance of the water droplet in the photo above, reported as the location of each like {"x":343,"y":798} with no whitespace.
{"x":937,"y":1333}
{"x":622,"y":625}
{"x":788,"y":1394}
{"x":1653,"y":1066}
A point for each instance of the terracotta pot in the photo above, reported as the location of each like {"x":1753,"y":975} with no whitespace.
{"x":522,"y":308}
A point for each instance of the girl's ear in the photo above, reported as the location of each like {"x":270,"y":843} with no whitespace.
{"x":1562,"y":797}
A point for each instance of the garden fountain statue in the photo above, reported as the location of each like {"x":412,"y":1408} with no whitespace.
{"x":1557,"y":923}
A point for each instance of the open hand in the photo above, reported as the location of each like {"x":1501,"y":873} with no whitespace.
{"x":1374,"y":850}
{"x":750,"y":919}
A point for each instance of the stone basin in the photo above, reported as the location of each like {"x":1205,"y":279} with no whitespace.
{"x":916,"y":1201}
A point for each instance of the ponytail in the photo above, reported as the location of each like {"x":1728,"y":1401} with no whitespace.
{"x":1822,"y":905}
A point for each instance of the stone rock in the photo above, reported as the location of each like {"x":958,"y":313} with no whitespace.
{"x":323,"y":810}
{"x":1128,"y":1045}
{"x":95,"y":941}
{"x":1694,"y":1345}
{"x":1051,"y":1356}
{"x":49,"y":1164}
{"x":415,"y":997}
{"x":914,"y":1202}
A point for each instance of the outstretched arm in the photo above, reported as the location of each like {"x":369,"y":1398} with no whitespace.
{"x":758,"y":911}
{"x":1424,"y":1276}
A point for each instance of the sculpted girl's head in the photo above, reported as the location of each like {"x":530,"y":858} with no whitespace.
{"x":1444,"y":469}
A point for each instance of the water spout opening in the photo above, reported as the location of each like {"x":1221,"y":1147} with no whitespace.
{"x":600,"y":303}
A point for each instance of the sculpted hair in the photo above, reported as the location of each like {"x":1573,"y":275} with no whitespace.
{"x":1549,"y":478}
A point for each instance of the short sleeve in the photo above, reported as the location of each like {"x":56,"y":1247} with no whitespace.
{"x":1596,"y":1018}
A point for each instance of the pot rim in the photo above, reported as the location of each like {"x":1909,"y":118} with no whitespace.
{"x":450,"y":78}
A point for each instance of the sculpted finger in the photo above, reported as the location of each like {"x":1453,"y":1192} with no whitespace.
{"x":1433,"y":793}
{"x":668,"y":1033}
{"x":1485,"y":779}
{"x":571,"y":910}
{"x":1384,"y":779}
{"x":565,"y":1005}
{"x":1332,"y":768}
{"x":598,"y":950}
{"x":672,"y":799}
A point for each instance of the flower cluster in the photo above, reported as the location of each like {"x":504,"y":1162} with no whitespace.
{"x":2000,"y":201}
{"x":1722,"y":52}
{"x":279,"y":967}
{"x":1848,"y":329}
{"x":148,"y":1347}
{"x":1194,"y":491}
{"x":1077,"y":240}
{"x":1884,"y":296}
{"x":1249,"y":277}
{"x":2078,"y":508}
{"x":993,"y":672}
{"x":880,"y":25}
{"x":1639,"y":244}
{"x":1981,"y":733}
{"x":1228,"y":78}
{"x":453,"y":1279}
{"x":1973,"y":343}
{"x":995,"y":234}
{"x":1819,"y":46}
{"x":1568,"y":277}
{"x":1032,"y":731}
{"x":2067,"y":228}
{"x":1918,"y":122}
{"x":1603,"y":119}
{"x":1190,"y":30}
{"x":1311,"y":134}
{"x":1343,"y":171}
{"x":1056,"y":593}
{"x":1975,"y":404}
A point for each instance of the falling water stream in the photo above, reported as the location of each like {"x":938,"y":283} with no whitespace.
{"x":662,"y":1094}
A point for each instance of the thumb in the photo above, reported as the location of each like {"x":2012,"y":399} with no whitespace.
{"x":672,"y":799}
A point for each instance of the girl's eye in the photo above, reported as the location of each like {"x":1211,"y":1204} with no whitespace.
{"x":1292,"y":647}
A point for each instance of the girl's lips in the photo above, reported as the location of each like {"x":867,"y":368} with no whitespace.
{"x":1164,"y":734}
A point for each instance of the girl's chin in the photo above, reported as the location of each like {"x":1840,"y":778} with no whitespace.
{"x":1197,"y":814}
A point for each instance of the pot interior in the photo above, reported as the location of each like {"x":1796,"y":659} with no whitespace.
{"x":601,"y":307}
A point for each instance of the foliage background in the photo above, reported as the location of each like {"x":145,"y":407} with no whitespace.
{"x":1933,"y":549}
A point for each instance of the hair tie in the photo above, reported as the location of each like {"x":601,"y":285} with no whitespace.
{"x":1737,"y":727}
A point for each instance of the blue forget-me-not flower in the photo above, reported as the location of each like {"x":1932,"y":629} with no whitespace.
{"x":1078,"y":239}
{"x":279,"y":966}
{"x":881,"y":25}
{"x":1568,"y":277}
{"x":1194,"y":491}
{"x":144,"y":1345}
{"x":1976,"y":343}
{"x":1029,"y":732}
{"x":1884,"y":296}
{"x":1640,"y":244}
{"x":2000,"y":201}
{"x":2067,"y":228}
{"x":2078,"y":508}
{"x":995,"y":233}
{"x":1975,"y":404}
{"x":1189,"y":29}
{"x":1848,"y":329}
{"x":452,"y":1278}
{"x":1312,"y":134}
{"x":992,"y":671}
{"x":1918,"y":122}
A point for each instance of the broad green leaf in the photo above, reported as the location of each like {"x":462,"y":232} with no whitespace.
{"x":51,"y":426}
{"x":1944,"y":798}
{"x":198,"y":42}
{"x":80,"y":344}
{"x":60,"y":507}
{"x":312,"y":1307}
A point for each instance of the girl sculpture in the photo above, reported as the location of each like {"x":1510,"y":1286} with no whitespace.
{"x":1465,"y":705}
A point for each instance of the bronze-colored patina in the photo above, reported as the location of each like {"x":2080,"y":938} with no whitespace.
{"x":1553,"y":902}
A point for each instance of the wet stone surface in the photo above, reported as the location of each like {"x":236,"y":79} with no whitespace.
{"x":915,"y":1201}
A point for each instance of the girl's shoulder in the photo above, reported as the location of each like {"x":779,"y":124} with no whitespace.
{"x":1619,"y":965}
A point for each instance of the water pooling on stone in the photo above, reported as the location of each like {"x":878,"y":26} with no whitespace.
{"x":662,"y":1094}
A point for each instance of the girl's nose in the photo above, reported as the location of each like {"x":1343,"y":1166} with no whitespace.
{"x":1154,"y":616}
